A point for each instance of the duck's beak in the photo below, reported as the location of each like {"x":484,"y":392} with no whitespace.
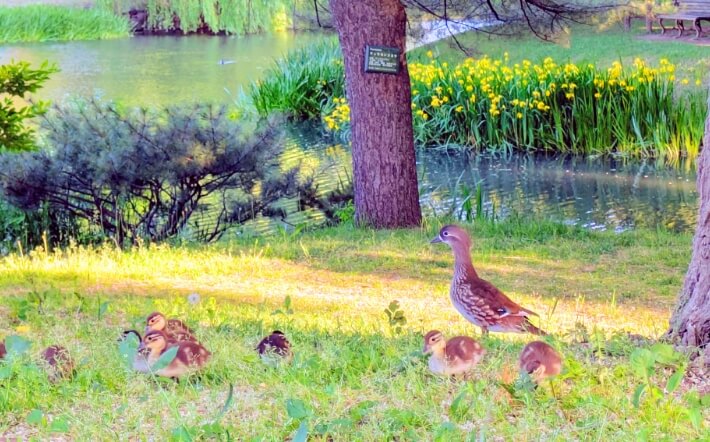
{"x":426,"y":348}
{"x":436,"y":240}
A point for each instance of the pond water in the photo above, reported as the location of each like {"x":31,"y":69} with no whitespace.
{"x":595,"y":193}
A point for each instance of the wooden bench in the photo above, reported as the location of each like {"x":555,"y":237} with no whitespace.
{"x":690,"y":10}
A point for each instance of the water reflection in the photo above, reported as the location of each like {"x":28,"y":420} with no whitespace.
{"x":157,"y":70}
{"x":594,"y":193}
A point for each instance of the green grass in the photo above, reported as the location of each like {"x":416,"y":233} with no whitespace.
{"x":38,"y":23}
{"x":583,"y":44}
{"x":353,"y":377}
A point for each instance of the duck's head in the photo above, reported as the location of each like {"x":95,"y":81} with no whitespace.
{"x":153,"y":342}
{"x":454,"y":236}
{"x":433,"y":342}
{"x":155,"y":321}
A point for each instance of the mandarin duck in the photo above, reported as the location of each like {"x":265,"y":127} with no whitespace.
{"x":175,"y":329}
{"x":476,"y":299}
{"x":189,"y":358}
{"x":454,"y":356}
{"x":3,"y":351}
{"x":275,"y":344}
{"x":540,"y":361}
{"x":58,"y":363}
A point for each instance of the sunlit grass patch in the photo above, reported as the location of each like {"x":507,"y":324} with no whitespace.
{"x":356,"y":375}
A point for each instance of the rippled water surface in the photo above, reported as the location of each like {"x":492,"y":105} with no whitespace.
{"x":598,"y":194}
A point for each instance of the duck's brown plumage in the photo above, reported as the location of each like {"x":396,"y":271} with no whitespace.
{"x":3,"y":351}
{"x":457,"y":355}
{"x":175,"y":329}
{"x":189,"y":358}
{"x":540,"y":360}
{"x":59,"y":363}
{"x":479,"y":301}
{"x":277,"y":344}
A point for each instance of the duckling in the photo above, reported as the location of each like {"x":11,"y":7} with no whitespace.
{"x":458,"y":355}
{"x":3,"y":351}
{"x":59,"y":363}
{"x":540,"y":361}
{"x":190,"y":356}
{"x":275,"y":344}
{"x":173,"y":328}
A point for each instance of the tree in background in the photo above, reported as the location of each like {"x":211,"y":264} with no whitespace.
{"x":690,"y":323}
{"x":384,"y":164}
{"x":17,"y":79}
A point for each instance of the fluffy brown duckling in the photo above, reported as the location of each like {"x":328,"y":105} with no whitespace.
{"x":540,"y":361}
{"x":189,"y":358}
{"x":275,"y":344}
{"x":479,"y":301}
{"x":173,"y":328}
{"x":457,"y":355}
{"x":3,"y":350}
{"x":59,"y":363}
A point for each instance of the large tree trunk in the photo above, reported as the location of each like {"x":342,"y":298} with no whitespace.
{"x":384,"y":164}
{"x":690,"y":323}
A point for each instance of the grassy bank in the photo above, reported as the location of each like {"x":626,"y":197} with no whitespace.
{"x":37,"y":23}
{"x":354,"y":376}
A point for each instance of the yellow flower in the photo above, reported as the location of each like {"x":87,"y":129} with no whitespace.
{"x":570,"y":96}
{"x":472,"y":99}
{"x":597,"y":95}
{"x":429,"y":54}
{"x":425,"y":116}
{"x":435,"y":102}
{"x":459,"y":108}
{"x":685,"y":81}
{"x":23,"y":329}
{"x":519,"y":115}
{"x":414,"y":105}
{"x":445,"y":99}
{"x":698,"y":82}
{"x":547,"y":93}
{"x":415,"y":92}
{"x":469,"y":88}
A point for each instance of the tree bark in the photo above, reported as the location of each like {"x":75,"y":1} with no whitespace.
{"x":690,"y":323}
{"x":384,"y":163}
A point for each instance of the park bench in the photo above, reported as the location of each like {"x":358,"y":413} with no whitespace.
{"x":688,"y":10}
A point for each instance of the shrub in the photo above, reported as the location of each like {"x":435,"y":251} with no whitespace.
{"x":16,"y":80}
{"x":491,"y":104}
{"x":144,"y":174}
{"x":301,"y":83}
{"x":57,"y":23}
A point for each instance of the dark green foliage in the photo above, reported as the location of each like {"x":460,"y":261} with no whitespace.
{"x":301,"y":83}
{"x":144,"y":174}
{"x":16,"y":80}
{"x":58,"y":23}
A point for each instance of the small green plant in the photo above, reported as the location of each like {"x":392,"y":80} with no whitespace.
{"x":346,"y":214}
{"x":395,"y":317}
{"x":286,"y":309}
{"x":17,"y":79}
{"x":645,"y":362}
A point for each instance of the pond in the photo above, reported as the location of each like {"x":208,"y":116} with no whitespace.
{"x":595,"y":193}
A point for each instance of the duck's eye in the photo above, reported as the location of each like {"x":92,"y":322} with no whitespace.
{"x":446,"y":233}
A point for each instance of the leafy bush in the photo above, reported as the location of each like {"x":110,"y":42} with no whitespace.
{"x":144,"y":174}
{"x":58,"y":23}
{"x":301,"y":83}
{"x":16,"y":80}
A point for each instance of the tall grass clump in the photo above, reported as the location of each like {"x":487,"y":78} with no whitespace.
{"x":56,"y":23}
{"x":568,"y":108}
{"x":301,"y":83}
